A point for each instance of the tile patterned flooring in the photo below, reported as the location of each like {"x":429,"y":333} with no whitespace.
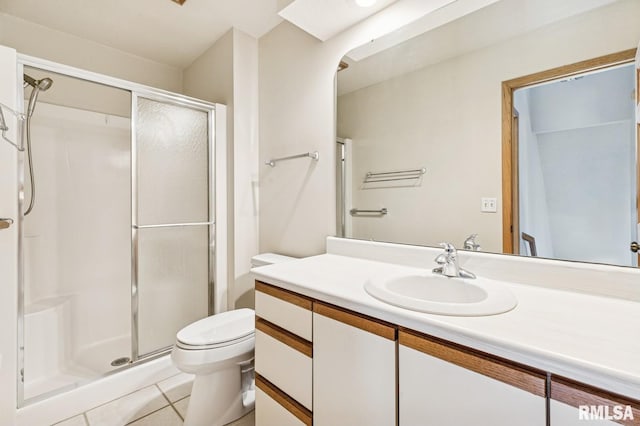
{"x":163,"y":404}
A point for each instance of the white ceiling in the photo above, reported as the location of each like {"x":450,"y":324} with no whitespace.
{"x":448,"y":37}
{"x":155,"y":29}
{"x":324,"y":19}
{"x":441,"y":13}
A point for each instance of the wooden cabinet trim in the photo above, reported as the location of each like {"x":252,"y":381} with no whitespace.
{"x":284,"y":336}
{"x":288,"y":403}
{"x":286,"y":295}
{"x":363,"y":322}
{"x":576,"y":394}
{"x":529,"y":380}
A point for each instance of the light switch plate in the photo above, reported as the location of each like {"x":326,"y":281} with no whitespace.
{"x":489,"y":205}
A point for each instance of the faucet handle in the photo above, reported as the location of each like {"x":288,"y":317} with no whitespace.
{"x":448,"y":247}
{"x":471,"y":244}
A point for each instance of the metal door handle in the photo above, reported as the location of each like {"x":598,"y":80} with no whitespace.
{"x":5,"y":223}
{"x":635,"y":247}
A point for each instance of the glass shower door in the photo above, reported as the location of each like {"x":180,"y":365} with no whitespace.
{"x":172,"y":218}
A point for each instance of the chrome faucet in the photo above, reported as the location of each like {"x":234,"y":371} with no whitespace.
{"x":449,"y":263}
{"x":471,"y":244}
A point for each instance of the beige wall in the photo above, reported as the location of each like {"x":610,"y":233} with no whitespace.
{"x":297,"y":114}
{"x":42,"y":42}
{"x":245,"y":165}
{"x":446,"y":117}
{"x":210,"y":77}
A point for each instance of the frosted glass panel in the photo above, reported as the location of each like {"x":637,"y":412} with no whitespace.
{"x":173,"y":273}
{"x":172,"y":148}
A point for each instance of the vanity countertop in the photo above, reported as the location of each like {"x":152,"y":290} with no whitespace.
{"x":588,"y":338}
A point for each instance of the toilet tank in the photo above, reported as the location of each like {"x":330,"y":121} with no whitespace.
{"x":264,"y":259}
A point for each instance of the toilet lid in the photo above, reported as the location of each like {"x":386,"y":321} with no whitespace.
{"x":219,"y":328}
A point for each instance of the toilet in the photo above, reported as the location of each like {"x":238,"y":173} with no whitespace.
{"x":218,"y":350}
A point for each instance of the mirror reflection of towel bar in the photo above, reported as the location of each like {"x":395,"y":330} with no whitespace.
{"x":383,"y":211}
{"x":372,"y":177}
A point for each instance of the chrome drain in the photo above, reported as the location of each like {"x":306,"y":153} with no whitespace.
{"x":120,"y":361}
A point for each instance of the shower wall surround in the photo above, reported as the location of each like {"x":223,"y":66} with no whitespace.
{"x":77,"y":245}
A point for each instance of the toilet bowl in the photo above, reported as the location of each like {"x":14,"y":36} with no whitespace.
{"x":218,"y":350}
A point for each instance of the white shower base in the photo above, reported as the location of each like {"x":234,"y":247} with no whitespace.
{"x":76,"y":401}
{"x":51,"y":360}
{"x":73,"y":375}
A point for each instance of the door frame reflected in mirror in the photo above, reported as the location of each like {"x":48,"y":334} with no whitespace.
{"x":510,"y":178}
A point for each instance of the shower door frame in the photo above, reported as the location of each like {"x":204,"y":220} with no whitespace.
{"x":217,"y":216}
{"x":135,"y":226}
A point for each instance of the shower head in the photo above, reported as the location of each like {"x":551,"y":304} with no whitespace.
{"x":38,"y":86}
{"x":43,"y":84}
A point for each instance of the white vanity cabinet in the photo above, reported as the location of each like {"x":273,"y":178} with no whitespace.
{"x":443,"y":384}
{"x":284,"y":357}
{"x":323,"y":365}
{"x":354,"y":369}
{"x":576,"y":404}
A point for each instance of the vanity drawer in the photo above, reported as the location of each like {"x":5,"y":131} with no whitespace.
{"x":285,"y":360}
{"x":285,"y":309}
{"x":273,"y":407}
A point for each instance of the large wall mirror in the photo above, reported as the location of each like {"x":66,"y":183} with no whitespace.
{"x":516,"y":122}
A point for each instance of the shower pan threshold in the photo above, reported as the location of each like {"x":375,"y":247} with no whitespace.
{"x":50,"y":409}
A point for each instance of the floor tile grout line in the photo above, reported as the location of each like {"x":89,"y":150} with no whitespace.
{"x":177,"y":412}
{"x":184,"y":397}
{"x":169,"y":401}
{"x":148,"y":414}
{"x":163,"y":394}
{"x":179,"y":400}
{"x":131,"y":393}
{"x":86,"y":422}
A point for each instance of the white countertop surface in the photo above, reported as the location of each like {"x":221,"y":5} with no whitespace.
{"x":592,"y":339}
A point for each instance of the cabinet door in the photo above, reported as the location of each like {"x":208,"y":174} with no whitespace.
{"x":285,"y":361}
{"x":443,"y":385}
{"x":275,"y":408}
{"x":354,"y":369}
{"x":575,"y":404}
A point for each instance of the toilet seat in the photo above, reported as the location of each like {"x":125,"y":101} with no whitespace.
{"x":188,"y":347}
{"x":224,"y":329}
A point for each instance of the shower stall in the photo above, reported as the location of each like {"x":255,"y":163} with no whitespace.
{"x":116,"y":224}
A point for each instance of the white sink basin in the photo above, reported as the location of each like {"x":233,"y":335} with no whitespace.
{"x":437,"y":294}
